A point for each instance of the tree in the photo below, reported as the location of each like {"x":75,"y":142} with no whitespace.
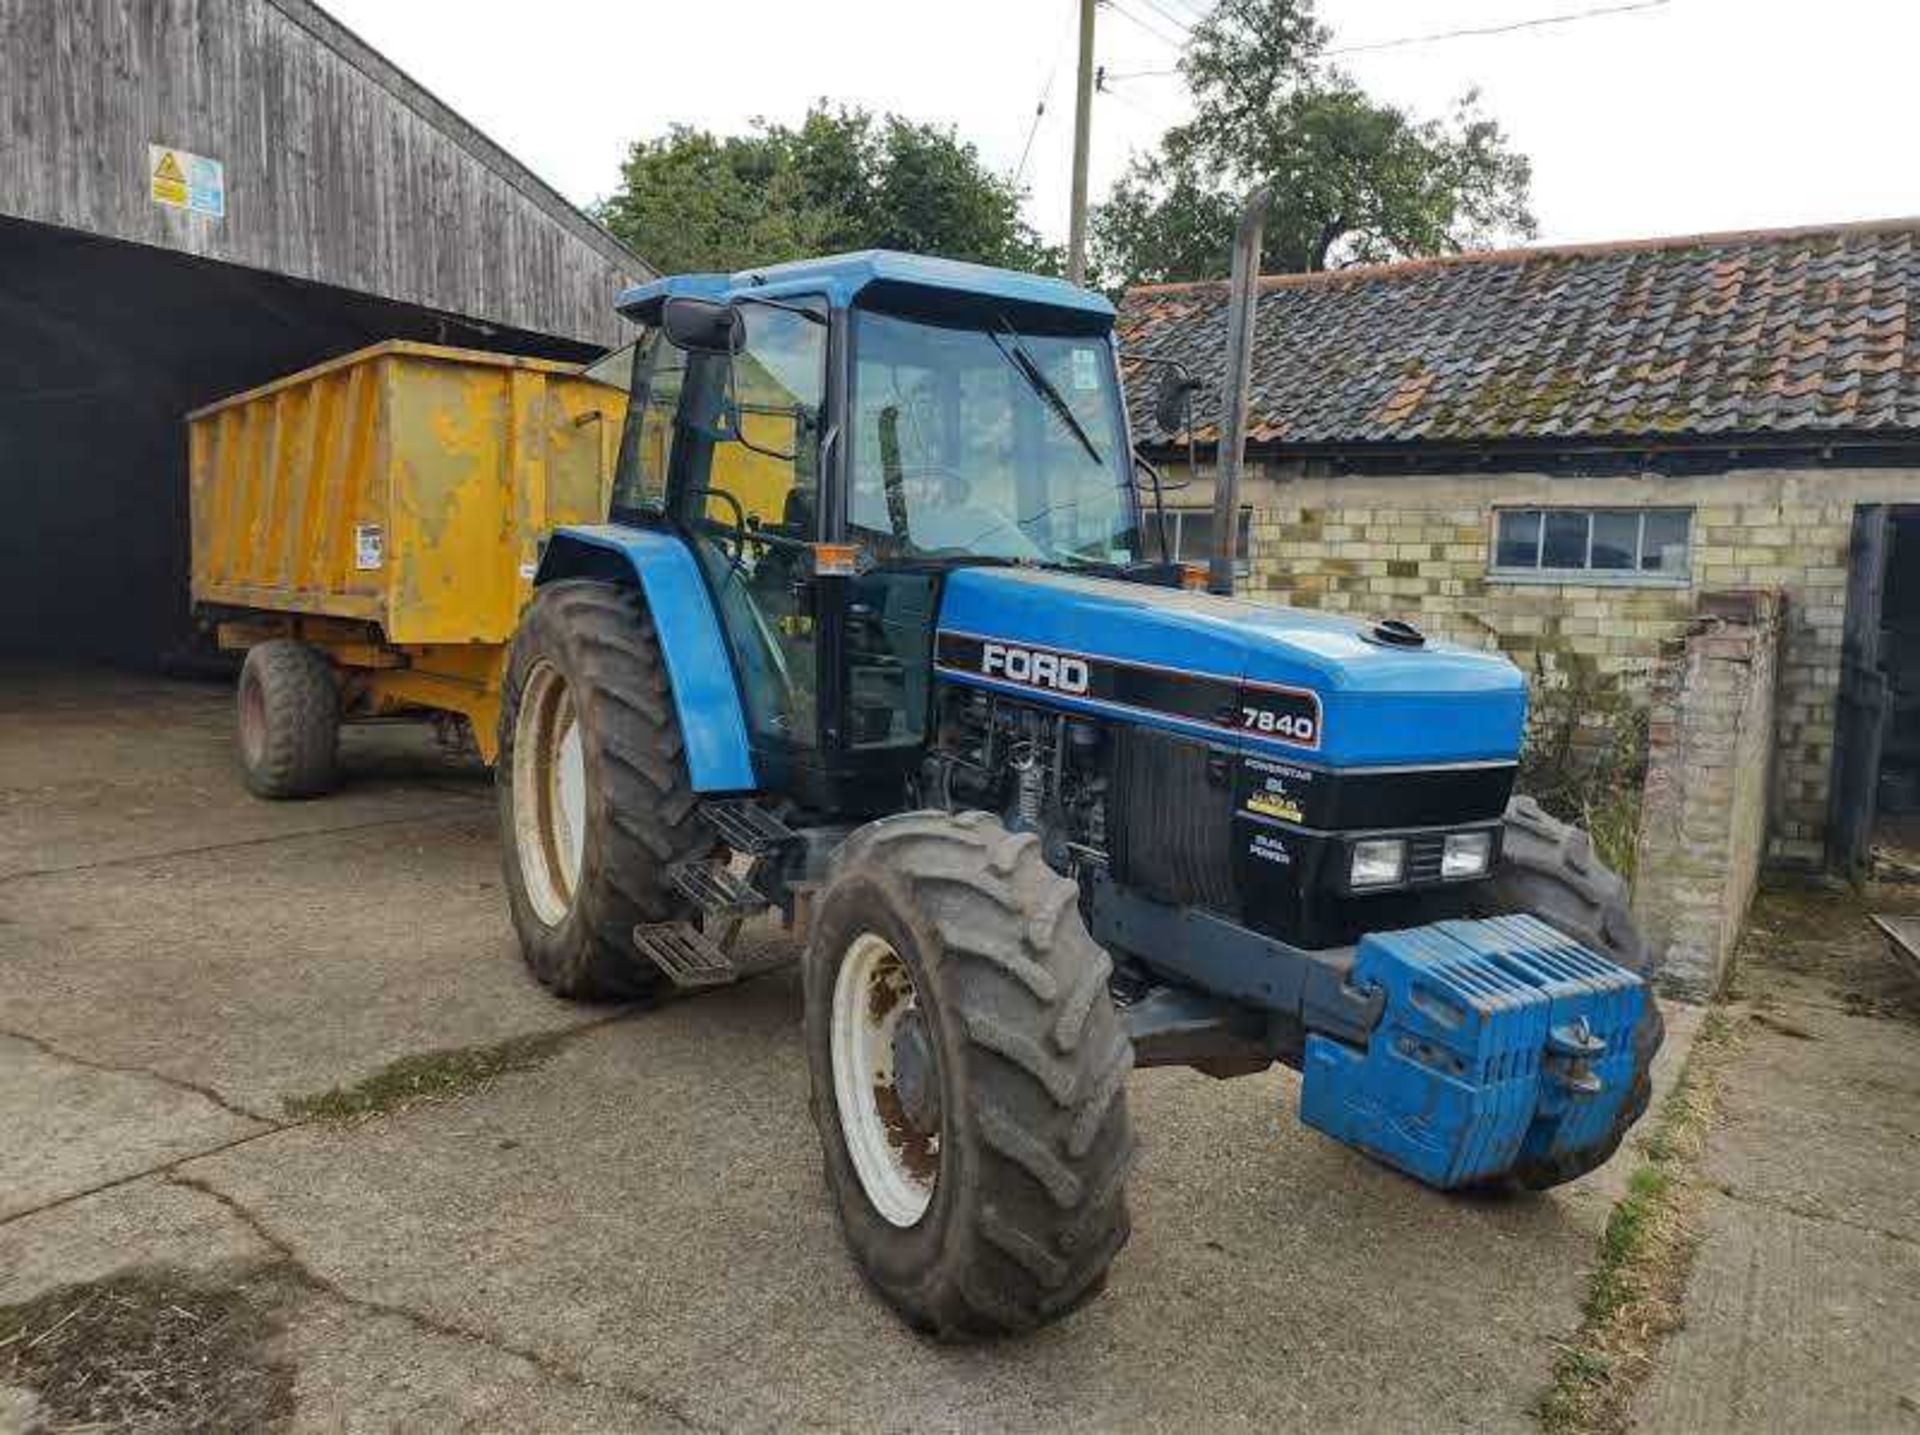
{"x":842,"y":180}
{"x":1355,"y":180}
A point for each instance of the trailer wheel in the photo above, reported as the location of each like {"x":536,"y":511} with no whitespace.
{"x":288,"y":709}
{"x":969,"y":1075}
{"x":595,"y":800}
{"x":1548,"y":869}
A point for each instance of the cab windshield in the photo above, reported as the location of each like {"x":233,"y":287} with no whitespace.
{"x":985,"y":441}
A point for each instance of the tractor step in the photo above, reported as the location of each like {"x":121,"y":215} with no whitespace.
{"x":685,"y":953}
{"x":690,"y":958}
{"x":747,"y":827}
{"x":720,"y":893}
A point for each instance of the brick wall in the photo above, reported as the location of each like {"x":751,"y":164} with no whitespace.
{"x":1418,"y":546}
{"x":1703,"y":824}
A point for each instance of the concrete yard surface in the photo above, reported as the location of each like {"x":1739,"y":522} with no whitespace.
{"x":1804,"y":1307}
{"x":627,"y":1228}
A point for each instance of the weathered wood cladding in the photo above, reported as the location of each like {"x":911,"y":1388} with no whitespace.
{"x":339,"y":169}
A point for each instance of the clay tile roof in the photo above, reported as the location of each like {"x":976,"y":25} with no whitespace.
{"x":1806,"y":331}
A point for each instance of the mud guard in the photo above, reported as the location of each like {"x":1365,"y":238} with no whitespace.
{"x":705,"y":696}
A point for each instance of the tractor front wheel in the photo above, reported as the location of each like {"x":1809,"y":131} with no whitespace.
{"x":595,"y":800}
{"x":1548,"y":869}
{"x":969,"y":1075}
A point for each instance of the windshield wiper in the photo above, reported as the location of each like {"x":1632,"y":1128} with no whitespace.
{"x":1024,"y":365}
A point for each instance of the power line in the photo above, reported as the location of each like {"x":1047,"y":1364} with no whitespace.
{"x":1040,"y":107}
{"x":1153,"y":30}
{"x":1564,"y":18}
{"x":1179,"y":24}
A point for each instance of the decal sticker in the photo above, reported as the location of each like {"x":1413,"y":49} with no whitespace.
{"x":1267,"y":711}
{"x":1275,"y":804}
{"x":1269,"y":848}
{"x":1086,"y":371}
{"x":369,"y":546}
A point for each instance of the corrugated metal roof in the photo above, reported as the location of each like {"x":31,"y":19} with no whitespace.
{"x":1780,"y":332}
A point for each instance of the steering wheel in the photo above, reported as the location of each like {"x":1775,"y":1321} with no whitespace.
{"x":735,"y":537}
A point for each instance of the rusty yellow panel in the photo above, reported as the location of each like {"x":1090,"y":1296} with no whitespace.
{"x":405,"y":484}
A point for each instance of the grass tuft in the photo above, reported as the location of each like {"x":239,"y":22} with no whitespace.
{"x":150,"y":1350}
{"x":1634,"y":1298}
{"x":426,"y":1077}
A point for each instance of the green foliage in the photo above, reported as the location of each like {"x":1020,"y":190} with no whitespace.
{"x":1585,"y":759}
{"x":844,"y":179}
{"x":1355,"y":180}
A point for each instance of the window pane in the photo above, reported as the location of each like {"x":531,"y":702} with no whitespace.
{"x":1194,"y":540}
{"x":1664,"y":548}
{"x":1616,"y":537}
{"x":1519,"y":545}
{"x":1565,"y":544}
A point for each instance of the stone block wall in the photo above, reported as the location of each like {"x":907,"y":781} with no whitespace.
{"x":1419,"y":546}
{"x":1703,"y":823}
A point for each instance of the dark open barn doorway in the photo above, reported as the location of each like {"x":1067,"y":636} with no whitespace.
{"x":104,"y":346}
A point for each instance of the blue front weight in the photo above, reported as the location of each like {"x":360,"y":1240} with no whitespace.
{"x":1501,"y":1040}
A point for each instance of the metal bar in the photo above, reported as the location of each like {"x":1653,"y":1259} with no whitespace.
{"x":1245,"y":296}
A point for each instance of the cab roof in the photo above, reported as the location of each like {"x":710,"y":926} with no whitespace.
{"x":877,"y":275}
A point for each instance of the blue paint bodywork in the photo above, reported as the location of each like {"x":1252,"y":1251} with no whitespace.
{"x":705,"y":695}
{"x":1501,"y":1041}
{"x":843,"y":278}
{"x":1380,"y":705}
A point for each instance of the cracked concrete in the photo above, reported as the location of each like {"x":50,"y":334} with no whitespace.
{"x":634,"y":1235}
{"x":1804,"y":1308}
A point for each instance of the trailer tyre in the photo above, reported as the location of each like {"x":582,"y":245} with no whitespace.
{"x":289,"y":721}
{"x":1548,"y":869}
{"x":969,"y":1075}
{"x":594,"y":795}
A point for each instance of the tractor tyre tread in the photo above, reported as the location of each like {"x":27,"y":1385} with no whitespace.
{"x":1040,"y":1152}
{"x":299,"y":742}
{"x":1548,"y":868}
{"x":642,"y":812}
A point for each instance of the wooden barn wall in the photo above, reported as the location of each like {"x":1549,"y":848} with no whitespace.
{"x":338,"y":168}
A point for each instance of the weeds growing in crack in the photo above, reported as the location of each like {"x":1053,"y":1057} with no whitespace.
{"x":1646,"y":1253}
{"x":426,"y":1077}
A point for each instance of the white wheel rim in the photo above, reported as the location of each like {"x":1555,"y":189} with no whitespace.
{"x":549,"y":794}
{"x":898,"y":1166}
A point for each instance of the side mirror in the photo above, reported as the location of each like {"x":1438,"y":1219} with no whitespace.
{"x":702,"y":326}
{"x":1173,"y":404}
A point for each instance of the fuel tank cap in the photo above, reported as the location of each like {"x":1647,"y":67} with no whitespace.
{"x":1396,"y":633}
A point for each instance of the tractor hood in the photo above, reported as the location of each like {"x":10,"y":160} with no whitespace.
{"x":1318,"y":687}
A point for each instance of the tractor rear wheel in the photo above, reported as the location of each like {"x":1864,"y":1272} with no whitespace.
{"x":1548,"y":869}
{"x":595,"y":800}
{"x":289,"y":720}
{"x":969,"y":1075}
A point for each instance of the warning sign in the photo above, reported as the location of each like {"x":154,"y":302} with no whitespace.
{"x":180,"y":179}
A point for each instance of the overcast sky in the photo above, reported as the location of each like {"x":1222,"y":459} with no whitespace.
{"x":1694,"y":115}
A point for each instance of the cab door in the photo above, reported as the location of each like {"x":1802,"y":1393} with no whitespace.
{"x":744,"y":487}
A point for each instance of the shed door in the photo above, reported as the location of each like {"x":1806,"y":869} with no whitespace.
{"x":1861,"y":718}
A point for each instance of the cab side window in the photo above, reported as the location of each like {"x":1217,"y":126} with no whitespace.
{"x":656,"y":375}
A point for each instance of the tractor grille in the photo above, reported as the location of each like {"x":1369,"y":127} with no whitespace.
{"x":1424,"y":856}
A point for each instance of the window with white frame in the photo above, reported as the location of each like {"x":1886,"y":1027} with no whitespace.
{"x":1620,"y":544}
{"x":1190,"y":535}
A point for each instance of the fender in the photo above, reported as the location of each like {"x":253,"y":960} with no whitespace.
{"x":705,"y":697}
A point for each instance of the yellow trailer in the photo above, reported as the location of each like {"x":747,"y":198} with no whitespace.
{"x":367,"y":531}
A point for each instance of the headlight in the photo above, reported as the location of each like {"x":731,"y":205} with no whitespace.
{"x":1466,"y":854}
{"x":1378,"y":863}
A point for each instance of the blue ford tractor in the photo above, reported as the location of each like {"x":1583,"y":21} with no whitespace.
{"x":881,"y":636}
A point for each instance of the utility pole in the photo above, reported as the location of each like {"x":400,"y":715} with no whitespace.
{"x":1082,"y":124}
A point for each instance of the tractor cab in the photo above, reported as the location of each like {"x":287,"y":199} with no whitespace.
{"x":833,"y":436}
